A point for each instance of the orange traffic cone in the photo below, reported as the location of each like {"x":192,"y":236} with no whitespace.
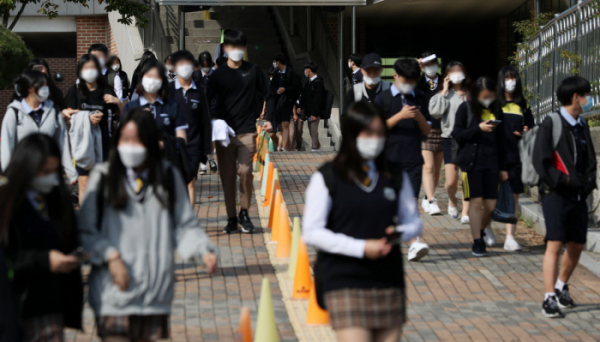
{"x":244,"y":328}
{"x":271,"y":188}
{"x":276,"y":213}
{"x":272,"y":204}
{"x":284,"y":236}
{"x":264,"y":165}
{"x":302,"y":278}
{"x":315,"y":315}
{"x":269,"y":183}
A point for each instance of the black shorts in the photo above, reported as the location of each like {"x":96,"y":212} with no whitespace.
{"x":448,"y":151}
{"x":481,"y":184}
{"x":514,"y":178}
{"x":82,"y":172}
{"x":415,"y":174}
{"x":287,"y":113}
{"x":566,"y":219}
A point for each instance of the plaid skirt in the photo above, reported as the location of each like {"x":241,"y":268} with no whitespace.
{"x":134,"y":327}
{"x":434,"y":141}
{"x":366,"y":308}
{"x":47,"y":328}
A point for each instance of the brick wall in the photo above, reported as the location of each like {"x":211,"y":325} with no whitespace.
{"x":90,"y":30}
{"x":110,"y":40}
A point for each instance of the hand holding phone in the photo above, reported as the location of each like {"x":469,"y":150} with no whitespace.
{"x":495,"y":122}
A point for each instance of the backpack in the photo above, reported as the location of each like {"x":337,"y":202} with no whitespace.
{"x":455,"y":145}
{"x":529,"y":175}
{"x":327,"y":104}
{"x":359,"y":90}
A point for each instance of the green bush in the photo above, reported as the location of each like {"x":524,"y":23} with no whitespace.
{"x":14,"y":56}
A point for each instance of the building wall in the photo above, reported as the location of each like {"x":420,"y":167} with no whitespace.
{"x":90,"y":30}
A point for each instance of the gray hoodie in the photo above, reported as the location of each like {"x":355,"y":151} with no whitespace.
{"x":146,"y":235}
{"x":444,"y":107}
{"x":17,"y":126}
{"x":86,"y":141}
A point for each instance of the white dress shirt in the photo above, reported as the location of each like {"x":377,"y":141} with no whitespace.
{"x":318,"y":206}
{"x":563,"y":112}
{"x":313,"y":78}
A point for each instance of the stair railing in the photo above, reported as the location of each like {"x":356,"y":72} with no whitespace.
{"x":154,"y":36}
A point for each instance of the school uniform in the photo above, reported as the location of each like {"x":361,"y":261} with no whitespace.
{"x":515,"y":119}
{"x":481,"y":155}
{"x":168,"y":121}
{"x":444,"y":109}
{"x":404,"y":141}
{"x":365,"y":94}
{"x":360,"y":292}
{"x":120,"y":83}
{"x":357,"y":76}
{"x":282,"y":106}
{"x":429,"y":86}
{"x":573,"y":161}
{"x":311,"y":102}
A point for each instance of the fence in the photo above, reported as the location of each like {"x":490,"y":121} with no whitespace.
{"x":567,"y":45}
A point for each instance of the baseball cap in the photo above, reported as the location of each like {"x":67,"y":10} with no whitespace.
{"x":371,"y":60}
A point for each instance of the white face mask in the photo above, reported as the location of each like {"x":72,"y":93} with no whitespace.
{"x":101,"y":62}
{"x":116,"y":67}
{"x":45,"y":184}
{"x":206,"y":71}
{"x":431,"y":71}
{"x":371,"y":81}
{"x":510,"y":85}
{"x":486,"y":102}
{"x":89,"y":75}
{"x":43,"y":93}
{"x":169,"y":67}
{"x":151,"y":85}
{"x":457,"y":77}
{"x":185,"y":71}
{"x":405,"y":88}
{"x":274,"y":64}
{"x":370,"y":148}
{"x":349,"y":65}
{"x":132,"y":155}
{"x":306,"y":73}
{"x":236,"y":55}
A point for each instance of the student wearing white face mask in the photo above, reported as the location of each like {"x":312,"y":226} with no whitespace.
{"x":135,"y":214}
{"x":38,"y":232}
{"x":116,"y":76}
{"x":357,"y":211}
{"x":371,"y":84}
{"x":443,"y":106}
{"x":355,"y":64}
{"x":34,"y":113}
{"x":479,"y":132}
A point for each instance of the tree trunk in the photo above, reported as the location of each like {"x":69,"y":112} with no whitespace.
{"x":12,"y":25}
{"x":5,"y":19}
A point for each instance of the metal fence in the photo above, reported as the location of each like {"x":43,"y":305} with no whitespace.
{"x":567,"y":45}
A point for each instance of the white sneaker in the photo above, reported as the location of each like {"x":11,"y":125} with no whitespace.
{"x":511,"y":245}
{"x":434,"y":209}
{"x":417,"y":251}
{"x":464,"y":219}
{"x":453,"y":211}
{"x":425,"y":205}
{"x":202,"y":170}
{"x":488,"y":236}
{"x":316,"y":150}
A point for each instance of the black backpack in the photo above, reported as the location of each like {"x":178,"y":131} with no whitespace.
{"x":327,"y":104}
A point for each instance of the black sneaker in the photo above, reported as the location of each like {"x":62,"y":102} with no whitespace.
{"x":232,"y":225}
{"x":564,"y":298}
{"x":213,"y":165}
{"x":247,"y":226}
{"x":479,"y":248}
{"x":550,"y":308}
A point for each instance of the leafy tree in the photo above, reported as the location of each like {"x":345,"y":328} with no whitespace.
{"x":15,"y":56}
{"x":127,"y":8}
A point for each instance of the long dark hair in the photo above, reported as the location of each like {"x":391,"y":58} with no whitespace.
{"x":146,"y":55}
{"x":162,"y":72}
{"x":82,"y":87}
{"x":466,"y":83}
{"x":518,"y":98}
{"x":55,"y":93}
{"x":28,"y":79}
{"x":28,"y":158}
{"x":482,"y":83}
{"x":205,"y":57}
{"x":111,"y":61}
{"x":348,"y":163}
{"x":148,"y":135}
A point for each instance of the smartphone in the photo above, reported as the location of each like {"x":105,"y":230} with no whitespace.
{"x":39,"y":68}
{"x":394,"y":238}
{"x":495,"y":122}
{"x":78,"y":252}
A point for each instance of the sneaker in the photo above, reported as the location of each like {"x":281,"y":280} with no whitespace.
{"x":479,"y":248}
{"x":434,"y":209}
{"x":564,"y":298}
{"x":232,"y":225}
{"x":453,"y":212}
{"x":316,"y":150}
{"x":417,"y":251}
{"x":550,"y":308}
{"x":425,"y":205}
{"x":511,"y":245}
{"x":213,"y":165}
{"x":488,"y":236}
{"x":464,"y":219}
{"x":202,"y":169}
{"x":247,"y":226}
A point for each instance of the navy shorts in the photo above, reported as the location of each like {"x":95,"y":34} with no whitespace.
{"x":82,"y":172}
{"x":514,"y":178}
{"x":448,"y":151}
{"x":481,"y":184}
{"x":566,"y":219}
{"x":415,"y":174}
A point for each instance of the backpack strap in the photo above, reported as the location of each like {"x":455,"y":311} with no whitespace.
{"x":16,"y":115}
{"x":387,"y":101}
{"x":358,"y":92}
{"x":556,"y":128}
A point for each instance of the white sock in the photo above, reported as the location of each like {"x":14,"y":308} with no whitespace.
{"x":549,"y":294}
{"x":559,"y":285}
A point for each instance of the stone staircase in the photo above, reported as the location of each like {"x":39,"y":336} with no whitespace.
{"x":324,"y":138}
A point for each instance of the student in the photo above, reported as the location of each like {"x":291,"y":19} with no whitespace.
{"x":136,"y":212}
{"x":92,"y":93}
{"x":517,"y":120}
{"x":432,"y":147}
{"x":407,"y":125}
{"x":237,"y":85}
{"x":101,"y":53}
{"x":115,"y":75}
{"x":201,"y":77}
{"x":39,"y":233}
{"x":354,"y":63}
{"x":372,"y":85}
{"x":443,"y":106}
{"x":284,"y":90}
{"x":134,"y":78}
{"x":481,"y":156}
{"x":171,"y":72}
{"x":567,"y":177}
{"x":34,"y":113}
{"x":311,"y":102}
{"x":56,"y":95}
{"x":192,"y":103}
{"x":353,"y":206}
